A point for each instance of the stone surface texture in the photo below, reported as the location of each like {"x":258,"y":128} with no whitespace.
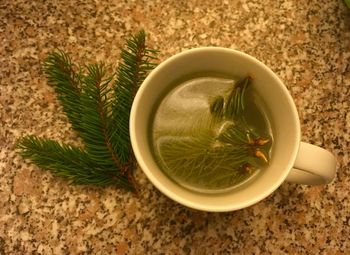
{"x":307,"y":44}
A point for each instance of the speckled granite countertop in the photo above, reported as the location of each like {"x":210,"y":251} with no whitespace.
{"x":307,"y":43}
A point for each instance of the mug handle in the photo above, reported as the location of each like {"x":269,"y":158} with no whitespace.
{"x":313,"y":166}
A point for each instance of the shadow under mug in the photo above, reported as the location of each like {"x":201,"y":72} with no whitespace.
{"x":291,"y":159}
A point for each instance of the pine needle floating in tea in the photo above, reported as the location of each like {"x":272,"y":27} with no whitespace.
{"x":221,"y":149}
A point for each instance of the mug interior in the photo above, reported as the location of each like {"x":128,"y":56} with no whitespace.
{"x":282,"y":115}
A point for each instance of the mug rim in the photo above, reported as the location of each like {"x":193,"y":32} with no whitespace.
{"x":148,"y":172}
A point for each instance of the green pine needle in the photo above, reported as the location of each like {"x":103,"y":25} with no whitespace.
{"x":137,"y":63}
{"x":62,"y":75}
{"x":235,"y":102}
{"x":98,"y":107}
{"x":69,"y":162}
{"x":347,"y":3}
{"x":95,"y":121}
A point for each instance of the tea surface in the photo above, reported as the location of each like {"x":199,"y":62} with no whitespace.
{"x":200,"y":145}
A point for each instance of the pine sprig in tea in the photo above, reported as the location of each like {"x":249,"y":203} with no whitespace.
{"x":98,"y":107}
{"x":222,"y":150}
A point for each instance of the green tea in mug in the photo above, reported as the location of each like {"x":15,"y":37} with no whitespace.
{"x":211,"y":133}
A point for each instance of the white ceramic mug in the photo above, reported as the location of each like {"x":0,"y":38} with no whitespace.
{"x":291,"y":159}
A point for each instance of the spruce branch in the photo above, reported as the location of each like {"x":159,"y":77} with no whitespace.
{"x":235,"y":102}
{"x":95,"y":121}
{"x":138,"y":61}
{"x":63,"y":77}
{"x":98,"y":107}
{"x":69,"y":162}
